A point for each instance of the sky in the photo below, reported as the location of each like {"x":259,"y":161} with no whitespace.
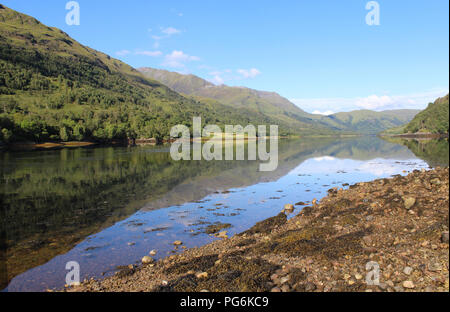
{"x":322,"y":55}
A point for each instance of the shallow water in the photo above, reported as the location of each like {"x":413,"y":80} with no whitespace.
{"x":106,"y":207}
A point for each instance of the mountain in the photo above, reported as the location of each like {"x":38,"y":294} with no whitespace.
{"x":276,"y":106}
{"x":369,"y":122}
{"x":434,"y":119}
{"x":269,"y":104}
{"x":54,"y":88}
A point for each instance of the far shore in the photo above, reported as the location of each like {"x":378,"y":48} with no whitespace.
{"x":32,"y":146}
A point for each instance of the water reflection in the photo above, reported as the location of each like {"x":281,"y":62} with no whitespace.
{"x":53,"y":201}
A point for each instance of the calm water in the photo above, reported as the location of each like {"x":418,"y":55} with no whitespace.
{"x":106,"y":207}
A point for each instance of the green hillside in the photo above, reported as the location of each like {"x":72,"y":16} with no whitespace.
{"x":53,"y":88}
{"x":276,"y":106}
{"x":369,"y":122}
{"x":434,"y":119}
{"x":270,"y":104}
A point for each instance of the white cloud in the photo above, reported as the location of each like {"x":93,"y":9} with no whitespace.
{"x":249,"y":73}
{"x":218,"y":80}
{"x":372,"y":102}
{"x":177,"y":59}
{"x":149,"y":53}
{"x":123,"y":53}
{"x":170,"y":31}
{"x":327,"y":113}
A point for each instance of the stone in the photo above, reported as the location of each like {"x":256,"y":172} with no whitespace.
{"x":408,"y":284}
{"x":435,"y":267}
{"x":383,"y":286}
{"x":284,"y":280}
{"x":152,"y":253}
{"x":202,"y":275}
{"x":276,"y":289}
{"x":309,"y":286}
{"x":288,"y":208}
{"x":409,"y":202}
{"x":436,"y":181}
{"x":358,"y":276}
{"x":444,"y":237}
{"x":147,"y":260}
{"x":222,"y":234}
{"x":178,"y":243}
{"x":285,"y":288}
{"x":407,"y":270}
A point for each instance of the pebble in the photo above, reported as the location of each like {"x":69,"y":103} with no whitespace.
{"x":358,"y":276}
{"x":152,"y":253}
{"x":434,"y":267}
{"x":444,"y":237}
{"x":284,"y":280}
{"x":202,"y":275}
{"x":222,"y":234}
{"x":147,"y":260}
{"x":288,"y":208}
{"x":408,"y":284}
{"x":276,"y":289}
{"x":407,"y":270}
{"x":310,"y":287}
{"x":178,"y":243}
{"x":409,"y":202}
{"x":285,"y":288}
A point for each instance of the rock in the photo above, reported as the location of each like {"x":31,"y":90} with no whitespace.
{"x":383,"y":286}
{"x":222,"y":234}
{"x":408,"y":202}
{"x":309,"y":286}
{"x":408,"y":284}
{"x":285,"y":288}
{"x":201,"y":275}
{"x":358,"y":276}
{"x":284,"y":280}
{"x":399,"y":288}
{"x":276,"y":289}
{"x":407,"y":270}
{"x":131,"y":244}
{"x":435,"y":267}
{"x":288,"y":208}
{"x":444,"y":237}
{"x":147,"y":260}
{"x":178,"y":243}
{"x":152,"y":253}
{"x":435,"y":181}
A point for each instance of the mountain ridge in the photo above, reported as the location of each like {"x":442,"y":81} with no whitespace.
{"x":360,"y":121}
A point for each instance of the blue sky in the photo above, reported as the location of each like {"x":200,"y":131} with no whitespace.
{"x":320,"y":54}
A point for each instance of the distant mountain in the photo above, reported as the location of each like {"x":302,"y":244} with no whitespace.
{"x":369,"y":122}
{"x":278,"y":107}
{"x":434,"y":119}
{"x":270,"y":104}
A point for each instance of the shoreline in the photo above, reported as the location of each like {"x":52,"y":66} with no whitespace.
{"x":417,"y":135}
{"x":400,"y":223}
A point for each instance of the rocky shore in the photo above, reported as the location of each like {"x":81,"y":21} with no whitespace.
{"x":386,"y":235}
